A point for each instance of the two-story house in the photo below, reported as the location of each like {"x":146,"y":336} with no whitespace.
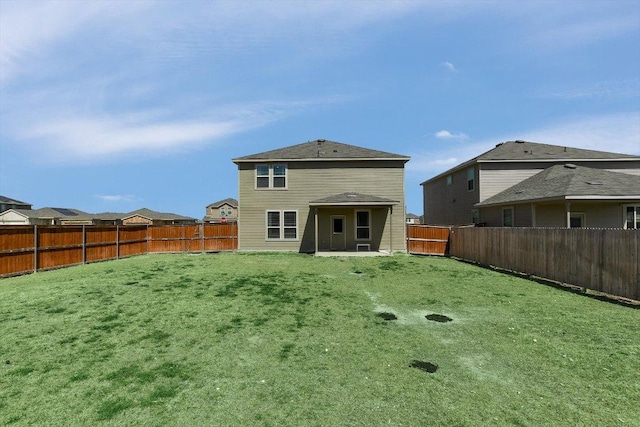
{"x":321,"y":196}
{"x":222,"y":211}
{"x":526,"y":184}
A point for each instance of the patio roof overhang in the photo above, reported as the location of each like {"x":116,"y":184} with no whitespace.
{"x":353,"y":199}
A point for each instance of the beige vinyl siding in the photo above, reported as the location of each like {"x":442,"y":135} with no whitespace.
{"x":493,"y":182}
{"x":492,"y":216}
{"x":597,"y":215}
{"x":307,"y":181}
{"x":497,"y":177}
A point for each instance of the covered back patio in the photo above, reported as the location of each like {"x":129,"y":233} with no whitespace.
{"x":353,"y":222}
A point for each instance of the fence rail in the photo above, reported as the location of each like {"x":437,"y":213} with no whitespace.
{"x":602,"y":260}
{"x":29,"y":248}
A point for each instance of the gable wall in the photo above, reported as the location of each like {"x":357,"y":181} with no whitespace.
{"x":438,"y":200}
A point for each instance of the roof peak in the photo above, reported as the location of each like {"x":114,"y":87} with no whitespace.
{"x":321,"y":150}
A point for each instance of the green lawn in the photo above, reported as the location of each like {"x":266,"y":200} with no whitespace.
{"x":295,"y":340}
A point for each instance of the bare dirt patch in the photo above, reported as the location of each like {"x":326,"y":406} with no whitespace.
{"x":441,"y":318}
{"x":388,"y":316}
{"x":424,"y":366}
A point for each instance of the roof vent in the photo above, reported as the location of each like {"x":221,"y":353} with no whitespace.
{"x":594,"y":183}
{"x":519,"y":141}
{"x":499,"y":144}
{"x":351,"y":195}
{"x":570,"y":166}
{"x":321,"y":140}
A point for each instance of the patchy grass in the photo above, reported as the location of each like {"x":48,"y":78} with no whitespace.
{"x":288,"y":339}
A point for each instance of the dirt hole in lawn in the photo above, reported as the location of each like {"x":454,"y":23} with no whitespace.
{"x":388,"y":316}
{"x":438,"y":318}
{"x":424,"y":366}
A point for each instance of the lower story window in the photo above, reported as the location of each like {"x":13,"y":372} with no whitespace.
{"x":363,"y":225}
{"x":632,"y":217}
{"x":282,"y":225}
{"x":507,"y":217}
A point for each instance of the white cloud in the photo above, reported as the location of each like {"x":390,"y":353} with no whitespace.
{"x":82,"y":137}
{"x":449,"y":66}
{"x":445,"y":134}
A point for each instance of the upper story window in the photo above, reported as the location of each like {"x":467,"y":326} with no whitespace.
{"x":471,"y":179}
{"x":271,"y":176}
{"x":449,"y":179}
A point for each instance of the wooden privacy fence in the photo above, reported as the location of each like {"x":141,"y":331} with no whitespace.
{"x":428,"y":240}
{"x":603,"y":260}
{"x":27,"y":248}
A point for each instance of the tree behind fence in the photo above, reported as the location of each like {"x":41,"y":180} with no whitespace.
{"x":28,"y":248}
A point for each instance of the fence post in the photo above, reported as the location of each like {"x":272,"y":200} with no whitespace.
{"x":147,"y":238}
{"x":117,"y":241}
{"x":201,"y":237}
{"x":35,"y":248}
{"x":84,"y":244}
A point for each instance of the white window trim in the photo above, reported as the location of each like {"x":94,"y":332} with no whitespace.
{"x":513,"y":216}
{"x":281,"y":226}
{"x":355,"y":221}
{"x":271,"y":176}
{"x":624,"y":215}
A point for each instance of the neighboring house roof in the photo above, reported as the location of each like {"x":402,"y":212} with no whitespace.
{"x":59,"y":212}
{"x":321,"y":150}
{"x":10,"y":201}
{"x":154,"y":215}
{"x":533,"y":151}
{"x":569,"y":182}
{"x":412,"y":216}
{"x":352,"y":199}
{"x":231,"y":202}
{"x":525,"y":151}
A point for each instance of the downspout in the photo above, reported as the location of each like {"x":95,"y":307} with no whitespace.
{"x":567,"y":208}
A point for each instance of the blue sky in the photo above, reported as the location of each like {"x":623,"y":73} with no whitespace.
{"x":114,"y":106}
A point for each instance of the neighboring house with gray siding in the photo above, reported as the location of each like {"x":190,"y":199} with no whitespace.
{"x":321,"y":196}
{"x":7,"y":203}
{"x":458,"y":196}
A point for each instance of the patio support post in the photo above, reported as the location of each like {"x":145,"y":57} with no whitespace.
{"x":567,"y":208}
{"x":315,"y":219}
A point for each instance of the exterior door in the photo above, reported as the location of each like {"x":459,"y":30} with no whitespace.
{"x":338,"y":236}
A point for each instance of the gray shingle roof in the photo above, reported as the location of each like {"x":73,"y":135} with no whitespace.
{"x":148,"y":213}
{"x":229,"y":201}
{"x":566,"y":181}
{"x":321,"y":149}
{"x":353,"y":199}
{"x":8,"y":200}
{"x":525,"y":150}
